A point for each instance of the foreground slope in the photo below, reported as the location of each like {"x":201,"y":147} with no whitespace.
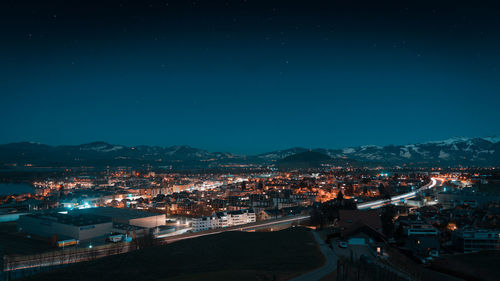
{"x":227,"y":256}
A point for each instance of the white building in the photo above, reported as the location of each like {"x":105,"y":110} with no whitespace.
{"x":241,"y":217}
{"x":223,"y":219}
{"x":204,"y":223}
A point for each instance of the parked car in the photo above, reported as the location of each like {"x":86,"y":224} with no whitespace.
{"x":115,"y":238}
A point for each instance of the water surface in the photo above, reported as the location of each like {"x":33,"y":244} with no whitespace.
{"x":15,"y":188}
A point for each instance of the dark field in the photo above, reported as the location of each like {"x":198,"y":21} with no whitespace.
{"x":227,"y":256}
{"x":481,"y":266}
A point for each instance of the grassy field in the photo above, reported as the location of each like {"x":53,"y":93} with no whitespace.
{"x":479,"y":266}
{"x":227,"y":256}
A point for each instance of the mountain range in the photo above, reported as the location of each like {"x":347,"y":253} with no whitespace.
{"x":455,"y":151}
{"x":450,"y":152}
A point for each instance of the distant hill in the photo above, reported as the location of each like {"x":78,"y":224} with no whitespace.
{"x":451,"y":152}
{"x":102,"y":154}
{"x":308,"y":159}
{"x":311,"y":159}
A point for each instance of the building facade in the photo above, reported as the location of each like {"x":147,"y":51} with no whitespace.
{"x":223,"y":219}
{"x":473,"y":239}
{"x":64,"y":226}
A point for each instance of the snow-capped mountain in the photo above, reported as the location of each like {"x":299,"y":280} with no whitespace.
{"x":457,"y":150}
{"x":451,"y":152}
{"x":454,"y":151}
{"x":100,"y":147}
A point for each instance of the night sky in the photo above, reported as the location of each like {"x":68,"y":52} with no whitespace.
{"x":248,"y":76}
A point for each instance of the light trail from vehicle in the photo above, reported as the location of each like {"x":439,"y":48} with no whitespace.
{"x":382,"y":202}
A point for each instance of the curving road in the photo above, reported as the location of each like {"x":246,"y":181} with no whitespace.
{"x":382,"y":202}
{"x":327,"y":268}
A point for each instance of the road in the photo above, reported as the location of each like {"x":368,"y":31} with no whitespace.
{"x":382,"y":202}
{"x":74,"y":255}
{"x":327,"y":268}
{"x":235,"y":228}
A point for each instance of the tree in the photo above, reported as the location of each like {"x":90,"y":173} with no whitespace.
{"x":383,"y":191}
{"x":387,"y":219}
{"x":330,"y":212}
{"x":316,"y":218}
{"x":349,"y":189}
{"x":260,"y":185}
{"x":160,"y":197}
{"x":340,"y":197}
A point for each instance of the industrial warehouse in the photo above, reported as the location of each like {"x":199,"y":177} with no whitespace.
{"x":64,"y":226}
{"x":127,"y":216}
{"x":87,"y":224}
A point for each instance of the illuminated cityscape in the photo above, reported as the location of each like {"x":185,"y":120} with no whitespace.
{"x":249,"y":140}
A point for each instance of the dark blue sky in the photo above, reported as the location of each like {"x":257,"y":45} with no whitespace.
{"x":247,"y":77}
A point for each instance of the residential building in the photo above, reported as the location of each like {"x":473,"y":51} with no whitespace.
{"x":473,"y":239}
{"x":223,"y":219}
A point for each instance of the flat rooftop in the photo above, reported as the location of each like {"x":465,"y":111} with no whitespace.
{"x":71,"y":219}
{"x":117,"y":213}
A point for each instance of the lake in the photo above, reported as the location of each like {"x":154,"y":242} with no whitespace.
{"x":15,"y":188}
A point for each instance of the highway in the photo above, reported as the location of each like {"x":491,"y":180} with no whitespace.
{"x":382,"y":202}
{"x":244,"y":227}
{"x":75,"y":255}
